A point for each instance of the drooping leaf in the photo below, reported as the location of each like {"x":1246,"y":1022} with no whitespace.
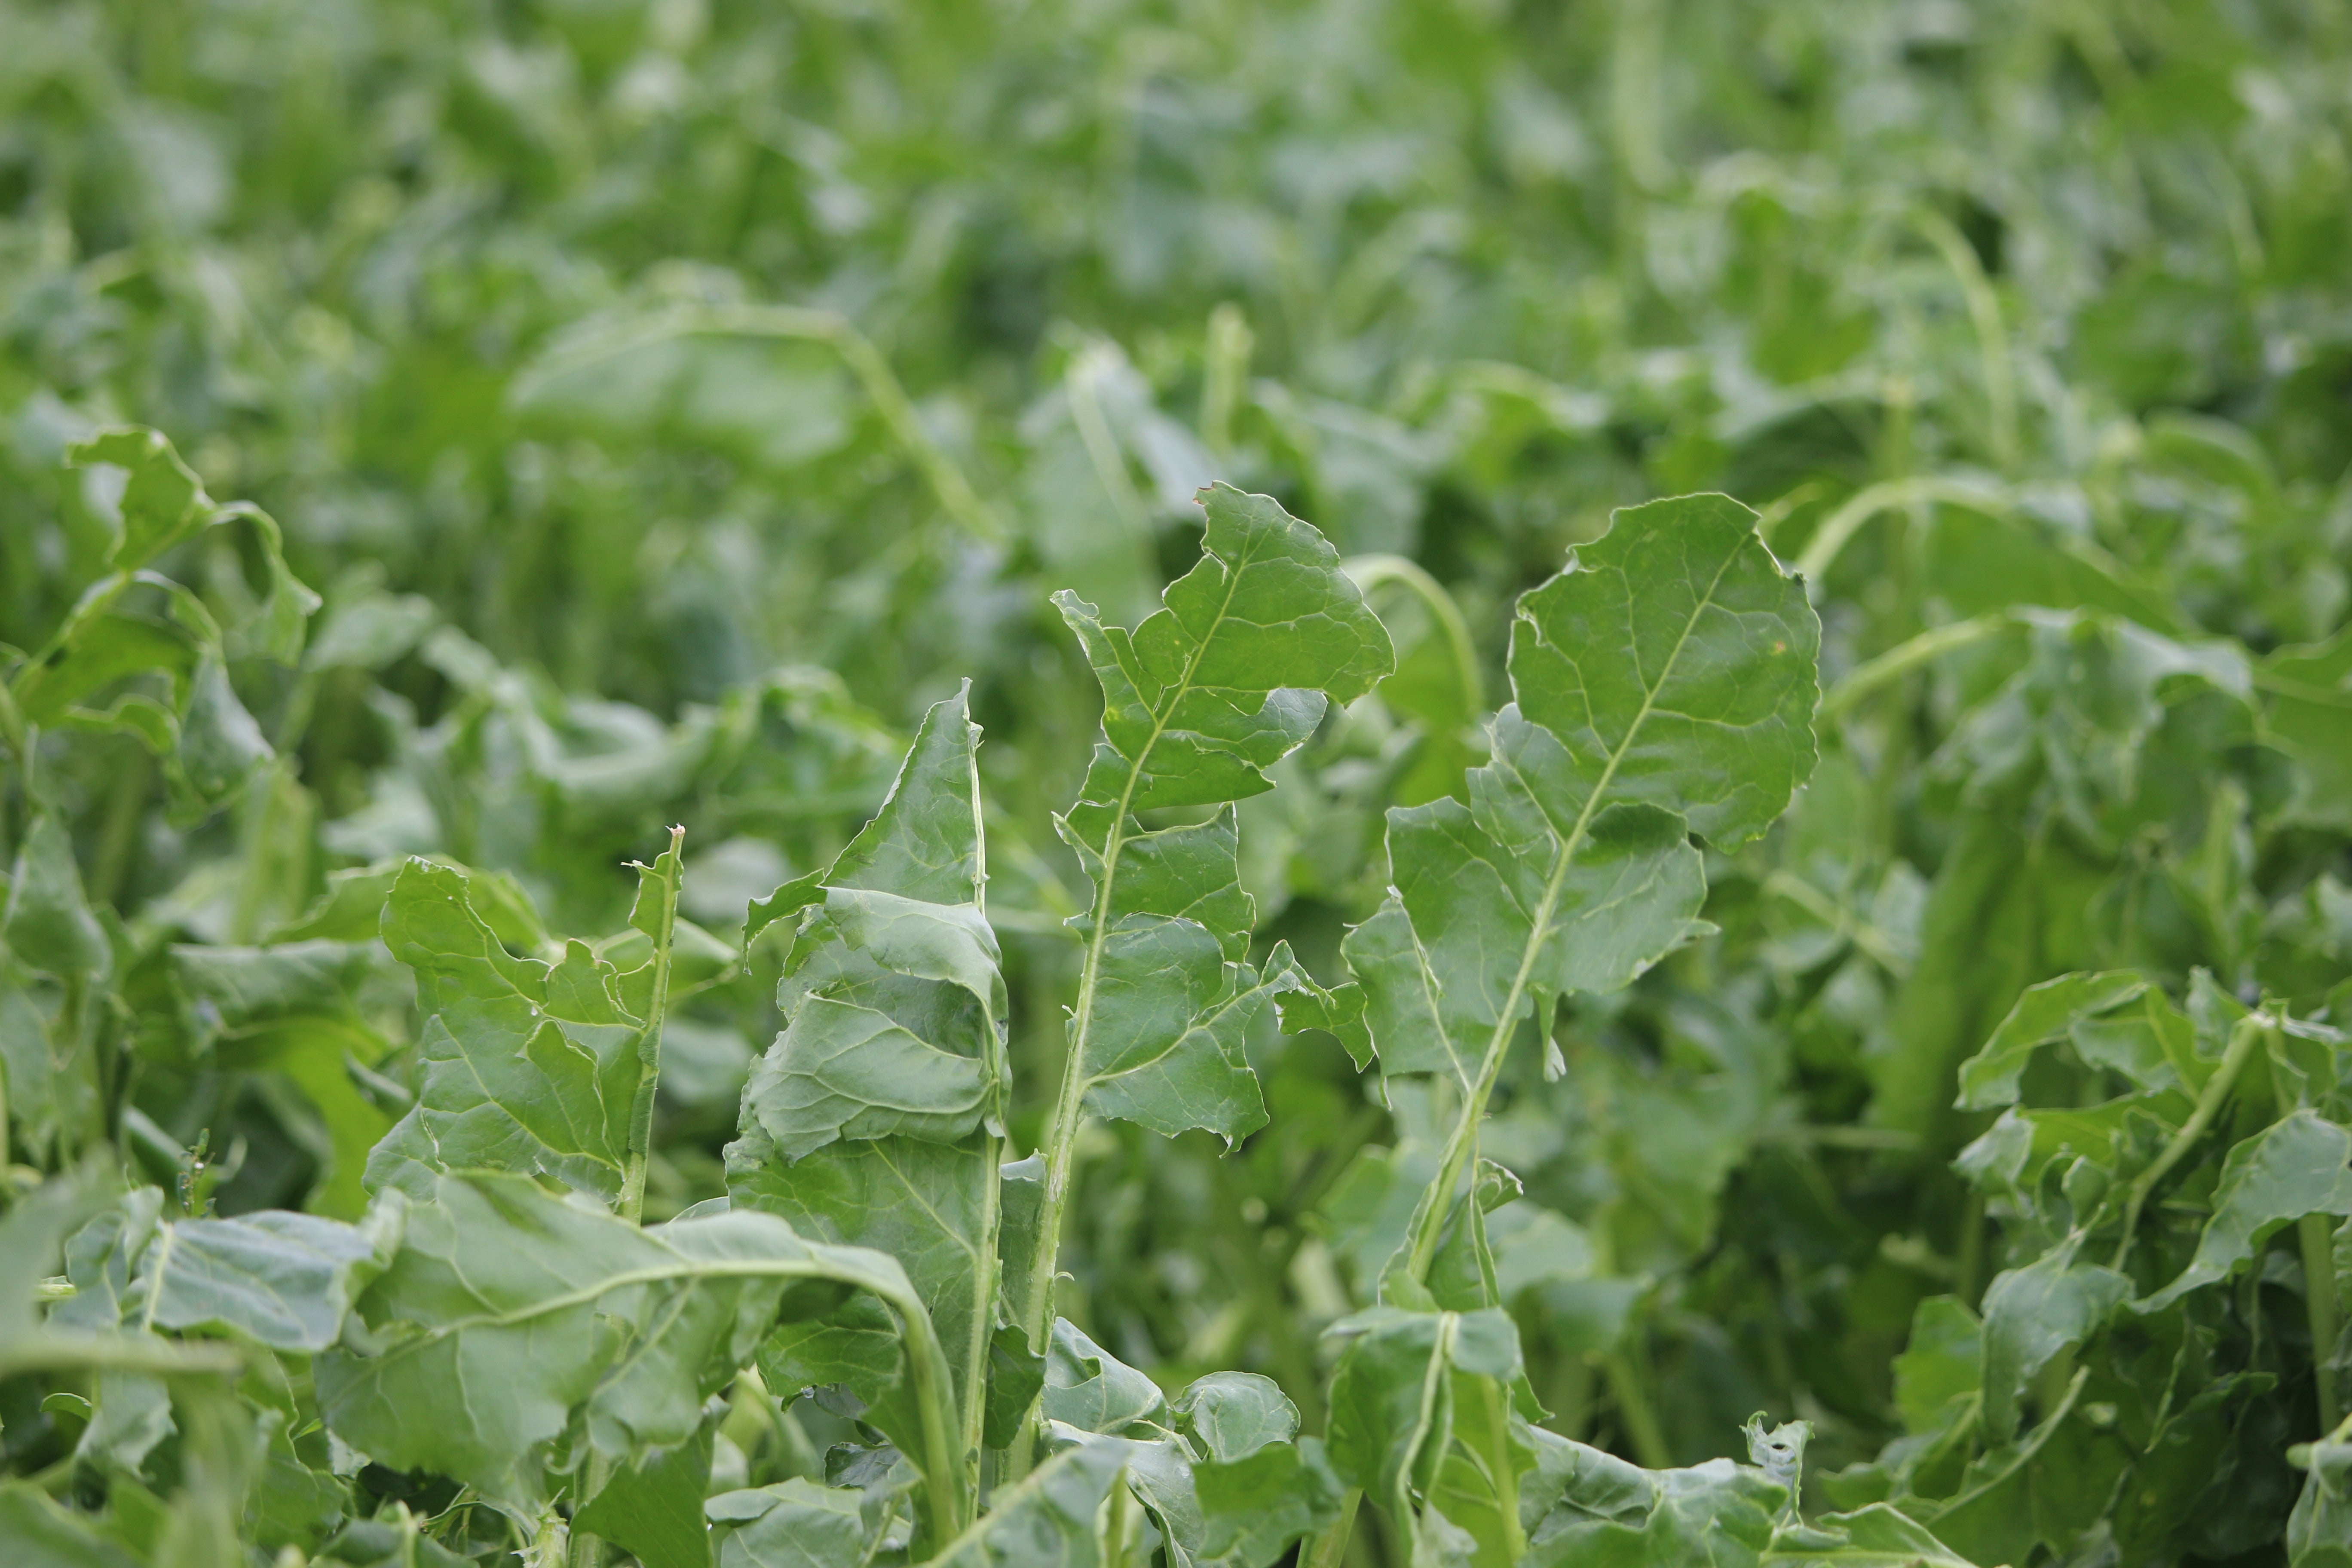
{"x":795,"y":1525}
{"x":1052,"y":1518}
{"x":281,"y":1279}
{"x":2299,"y":1166}
{"x":1090,"y":1389}
{"x":506,"y":1312}
{"x":2033,"y":1313}
{"x":874,"y":1118}
{"x":526,"y":1066}
{"x":1989,"y":1078}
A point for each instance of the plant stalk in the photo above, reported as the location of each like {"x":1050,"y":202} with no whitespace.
{"x":641,"y":1113}
{"x":2242,"y":1040}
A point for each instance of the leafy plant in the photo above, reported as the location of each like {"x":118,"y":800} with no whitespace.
{"x":1455,"y":1123}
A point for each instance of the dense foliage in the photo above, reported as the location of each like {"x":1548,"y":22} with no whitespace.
{"x":950,"y":794}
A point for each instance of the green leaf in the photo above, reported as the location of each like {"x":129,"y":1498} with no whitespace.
{"x":508,"y":1313}
{"x":1877,"y":1536}
{"x":1674,"y":660}
{"x":2031,"y":1315}
{"x":1230,"y":675}
{"x":1254,"y":1506}
{"x":1090,"y":1389}
{"x":1665,"y":683}
{"x":797,"y":1524}
{"x":2046,"y":1012}
{"x":1229,"y":1415}
{"x":279,"y":1280}
{"x":2299,"y":1166}
{"x":163,"y":500}
{"x":526,"y":1066}
{"x":875,"y":1117}
{"x":49,"y":924}
{"x":1584,"y":1506}
{"x":652,"y":1505}
{"x":36,"y":1532}
{"x":1051,"y":1520}
{"x":2319,"y":1530}
{"x":1399,"y":1410}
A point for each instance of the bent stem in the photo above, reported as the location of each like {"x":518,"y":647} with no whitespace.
{"x":2242,"y":1040}
{"x":1370,"y":572}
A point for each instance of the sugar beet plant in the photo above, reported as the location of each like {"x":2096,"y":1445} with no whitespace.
{"x":498,"y":1321}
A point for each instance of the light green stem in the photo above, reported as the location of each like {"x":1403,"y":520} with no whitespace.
{"x":1062,"y":1129}
{"x":1223,"y":375}
{"x":1992,"y":338}
{"x":1902,"y":658}
{"x":650,"y":1046}
{"x":1370,"y":572}
{"x":2243,"y":1041}
{"x":1889,"y":495}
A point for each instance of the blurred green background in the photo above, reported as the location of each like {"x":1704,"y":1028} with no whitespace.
{"x":671,"y":399}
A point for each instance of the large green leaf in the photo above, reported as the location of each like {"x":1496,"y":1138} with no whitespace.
{"x":797,"y":1524}
{"x":2033,"y":1314}
{"x":1674,"y":660}
{"x":508,"y":1313}
{"x":875,"y":1119}
{"x":526,"y":1066}
{"x":1052,"y":1518}
{"x":2299,"y":1166}
{"x":1228,"y":676}
{"x":1665,"y":683}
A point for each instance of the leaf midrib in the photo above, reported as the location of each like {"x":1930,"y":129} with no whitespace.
{"x":1449,"y":1169}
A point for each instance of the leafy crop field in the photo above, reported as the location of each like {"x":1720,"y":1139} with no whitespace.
{"x":1352,"y":783}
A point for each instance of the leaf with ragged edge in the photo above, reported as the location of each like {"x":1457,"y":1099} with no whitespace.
{"x":1664,"y":677}
{"x":525,"y":1066}
{"x":508,"y":1313}
{"x":1665,"y":683}
{"x":1877,"y":1536}
{"x":2299,"y":1166}
{"x":1230,"y":675}
{"x":1674,"y":658}
{"x":874,"y":1118}
{"x":210,"y":744}
{"x":2033,"y":1313}
{"x":1581,"y":1505}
